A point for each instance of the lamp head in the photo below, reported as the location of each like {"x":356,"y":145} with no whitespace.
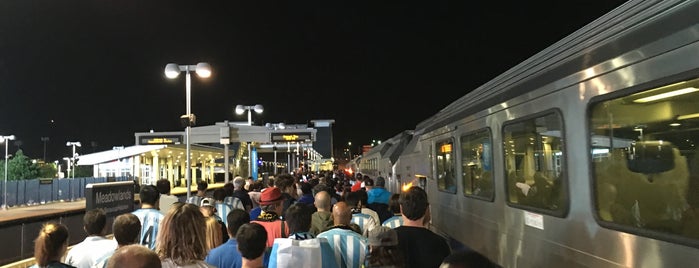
{"x":239,"y":109}
{"x":172,"y":70}
{"x":203,"y":69}
{"x":258,"y":108}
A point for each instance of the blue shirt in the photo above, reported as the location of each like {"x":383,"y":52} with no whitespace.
{"x":254,"y":213}
{"x":393,"y":222}
{"x":378,"y":195}
{"x":350,"y":247}
{"x":226,"y":255}
{"x":150,"y":219}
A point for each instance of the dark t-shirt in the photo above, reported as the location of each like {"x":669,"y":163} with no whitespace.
{"x":421,"y":247}
{"x":244,"y":198}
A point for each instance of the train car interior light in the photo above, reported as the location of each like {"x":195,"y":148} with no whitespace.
{"x":666,"y":95}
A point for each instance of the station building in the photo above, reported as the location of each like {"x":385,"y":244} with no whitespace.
{"x":238,"y":148}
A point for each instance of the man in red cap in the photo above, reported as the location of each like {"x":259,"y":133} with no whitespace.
{"x":271,"y":204}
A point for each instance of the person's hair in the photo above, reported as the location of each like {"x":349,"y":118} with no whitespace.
{"x":149,"y":195}
{"x":353,"y":199}
{"x":126,"y":229}
{"x":229,"y":187}
{"x":414,"y":203}
{"x":182,"y":234}
{"x":202,"y":185}
{"x":214,"y":235}
{"x":134,"y":256}
{"x":163,"y":186}
{"x":236,"y":218}
{"x":306,"y":188}
{"x":285,"y":182}
{"x":219,"y":194}
{"x":252,"y":240}
{"x":468,"y":259}
{"x":298,"y":218}
{"x":238,"y":182}
{"x":394,"y":203}
{"x":94,"y":221}
{"x":50,"y":244}
{"x":385,"y":256}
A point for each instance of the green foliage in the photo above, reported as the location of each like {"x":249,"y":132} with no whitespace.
{"x":47,"y":170}
{"x":19,"y":167}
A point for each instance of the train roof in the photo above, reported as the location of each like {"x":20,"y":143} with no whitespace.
{"x":625,"y":28}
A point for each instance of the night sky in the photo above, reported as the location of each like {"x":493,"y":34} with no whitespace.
{"x":92,"y":71}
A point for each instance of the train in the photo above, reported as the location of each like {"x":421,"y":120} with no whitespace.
{"x":583,"y":155}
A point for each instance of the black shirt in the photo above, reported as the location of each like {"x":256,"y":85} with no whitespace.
{"x":421,"y":247}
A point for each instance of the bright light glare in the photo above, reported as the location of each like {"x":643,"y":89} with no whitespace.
{"x":667,"y":95}
{"x":172,"y":70}
{"x":258,"y":108}
{"x":239,"y":109}
{"x":203,"y":69}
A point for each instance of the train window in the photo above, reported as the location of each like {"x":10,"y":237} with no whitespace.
{"x":645,"y":160}
{"x":446,"y":181}
{"x":534,"y":151}
{"x":477,"y":164}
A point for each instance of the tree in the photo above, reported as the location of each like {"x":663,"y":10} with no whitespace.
{"x":19,"y":167}
{"x":47,"y":170}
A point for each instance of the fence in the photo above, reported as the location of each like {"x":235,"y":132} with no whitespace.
{"x":42,"y":191}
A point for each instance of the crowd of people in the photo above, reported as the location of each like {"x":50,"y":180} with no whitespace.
{"x":326,"y":219}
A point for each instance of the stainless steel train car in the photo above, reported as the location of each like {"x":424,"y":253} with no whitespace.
{"x":584,"y":155}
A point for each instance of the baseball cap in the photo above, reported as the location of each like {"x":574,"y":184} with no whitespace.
{"x":207,"y":202}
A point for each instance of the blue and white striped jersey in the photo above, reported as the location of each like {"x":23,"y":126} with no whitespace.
{"x":365,"y":222}
{"x":350,"y":247}
{"x":195,"y":199}
{"x":222,"y":211}
{"x":234,"y":202}
{"x":150,"y":219}
{"x":393,"y":222}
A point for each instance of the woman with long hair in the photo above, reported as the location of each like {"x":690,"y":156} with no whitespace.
{"x":50,"y":246}
{"x":181,"y":240}
{"x":214,"y":237}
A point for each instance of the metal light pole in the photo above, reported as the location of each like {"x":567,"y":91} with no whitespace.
{"x":74,"y":144}
{"x":6,"y":140}
{"x":349,"y":149}
{"x":172,"y":70}
{"x":240,"y":109}
{"x":44,"y":139}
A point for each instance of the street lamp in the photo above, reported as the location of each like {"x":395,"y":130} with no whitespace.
{"x":203,"y":70}
{"x":349,"y":149}
{"x":73,"y":144}
{"x":240,"y":109}
{"x":6,"y":140}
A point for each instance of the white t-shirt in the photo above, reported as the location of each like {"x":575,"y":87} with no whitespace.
{"x":166,"y":202}
{"x":89,"y":251}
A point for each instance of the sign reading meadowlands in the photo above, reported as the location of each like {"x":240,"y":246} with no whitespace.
{"x":114,"y":197}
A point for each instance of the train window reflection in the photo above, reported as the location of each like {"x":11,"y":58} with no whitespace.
{"x":446,"y":180}
{"x":477,"y":164}
{"x":645,"y":162}
{"x":533,"y":151}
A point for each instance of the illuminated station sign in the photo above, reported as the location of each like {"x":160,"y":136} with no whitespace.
{"x":170,"y":139}
{"x":291,"y":137}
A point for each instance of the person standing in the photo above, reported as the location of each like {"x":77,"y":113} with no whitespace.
{"x":252,"y":240}
{"x":134,"y":256}
{"x":350,"y":247}
{"x":227,"y":255}
{"x":271,"y":201}
{"x":126,"y":230}
{"x":149,"y":215}
{"x":95,"y":245}
{"x":182,"y":238}
{"x":321,"y":220}
{"x":166,"y":199}
{"x":422,"y":247}
{"x":50,"y":245}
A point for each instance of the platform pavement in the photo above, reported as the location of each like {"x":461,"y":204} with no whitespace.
{"x":17,"y":213}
